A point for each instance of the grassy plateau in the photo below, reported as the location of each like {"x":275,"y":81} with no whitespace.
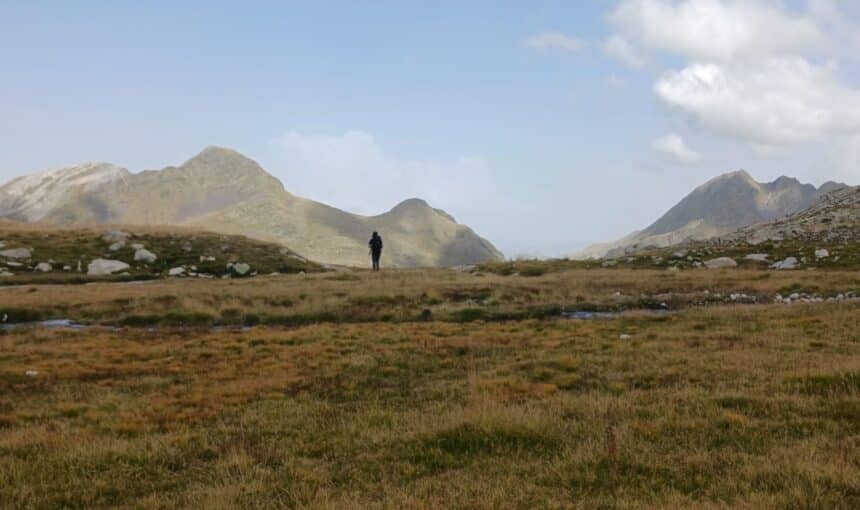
{"x":435,"y":389}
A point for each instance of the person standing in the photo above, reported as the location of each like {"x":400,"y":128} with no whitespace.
{"x":375,"y":244}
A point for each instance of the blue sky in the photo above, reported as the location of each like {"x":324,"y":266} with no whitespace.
{"x":545,"y":126}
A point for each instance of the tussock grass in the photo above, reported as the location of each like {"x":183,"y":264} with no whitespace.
{"x":708,"y":408}
{"x":401,"y":296}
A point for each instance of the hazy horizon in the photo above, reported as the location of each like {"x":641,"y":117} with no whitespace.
{"x":544,"y":127}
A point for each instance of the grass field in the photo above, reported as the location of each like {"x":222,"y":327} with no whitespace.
{"x":347,"y":394}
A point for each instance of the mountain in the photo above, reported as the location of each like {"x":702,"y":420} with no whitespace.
{"x":720,"y":206}
{"x":223,"y":191}
{"x":833,"y":218}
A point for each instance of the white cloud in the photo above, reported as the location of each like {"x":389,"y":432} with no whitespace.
{"x":722,"y":30}
{"x":546,"y":41}
{"x":673,"y":145}
{"x":620,"y":48}
{"x":776,"y":102}
{"x":352,"y":171}
{"x":756,"y":70}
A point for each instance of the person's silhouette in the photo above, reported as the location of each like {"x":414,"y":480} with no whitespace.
{"x":375,"y":244}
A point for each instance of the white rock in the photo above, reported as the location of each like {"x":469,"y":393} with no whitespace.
{"x":115,"y":236}
{"x":822,"y":253}
{"x":679,"y":254}
{"x":205,"y":258}
{"x":44,"y":267}
{"x":101,"y":267}
{"x":788,"y":263}
{"x":144,"y":255}
{"x":31,"y":373}
{"x":14,"y":264}
{"x":176,"y":271}
{"x":17,"y":253}
{"x":241,"y":268}
{"x":67,"y":268}
{"x":721,"y":262}
{"x":4,"y":273}
{"x":757,"y":257}
{"x":609,"y":263}
{"x":117,"y":246}
{"x":137,"y":246}
{"x":624,"y":337}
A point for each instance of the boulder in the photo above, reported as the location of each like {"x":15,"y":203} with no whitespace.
{"x":144,"y":255}
{"x":17,"y":253}
{"x":788,"y":263}
{"x":720,"y":262}
{"x":115,"y":236}
{"x":44,"y":267}
{"x":822,"y":253}
{"x":757,"y":257}
{"x":240,"y":268}
{"x":176,"y":271}
{"x":102,"y":267}
{"x":117,"y":246}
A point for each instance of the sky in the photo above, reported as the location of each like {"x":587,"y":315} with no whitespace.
{"x":545,"y":126}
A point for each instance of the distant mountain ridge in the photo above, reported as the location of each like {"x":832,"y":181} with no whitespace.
{"x":221,"y":190}
{"x":720,"y":206}
{"x":833,"y":218}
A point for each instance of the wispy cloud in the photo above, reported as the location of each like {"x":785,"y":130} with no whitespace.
{"x":674,"y":146}
{"x":546,"y":41}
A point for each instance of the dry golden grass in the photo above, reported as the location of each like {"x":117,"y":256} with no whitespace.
{"x":725,"y":407}
{"x":407,"y":295}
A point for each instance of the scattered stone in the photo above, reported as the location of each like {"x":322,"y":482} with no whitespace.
{"x":757,"y":257}
{"x":117,"y":246}
{"x":609,"y":263}
{"x":679,"y":254}
{"x":67,"y":268}
{"x":17,"y":253}
{"x":186,"y":246}
{"x":137,"y":246}
{"x":624,"y":337}
{"x":102,"y":267}
{"x":822,"y":253}
{"x":44,"y":267}
{"x":31,"y":373}
{"x":206,"y":258}
{"x":2,"y":244}
{"x":144,"y":255}
{"x":788,"y":263}
{"x":176,"y":271}
{"x":241,"y":269}
{"x":721,"y":262}
{"x":14,"y":264}
{"x":115,"y":236}
{"x":4,"y":273}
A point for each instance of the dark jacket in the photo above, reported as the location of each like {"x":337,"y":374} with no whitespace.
{"x":375,"y":244}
